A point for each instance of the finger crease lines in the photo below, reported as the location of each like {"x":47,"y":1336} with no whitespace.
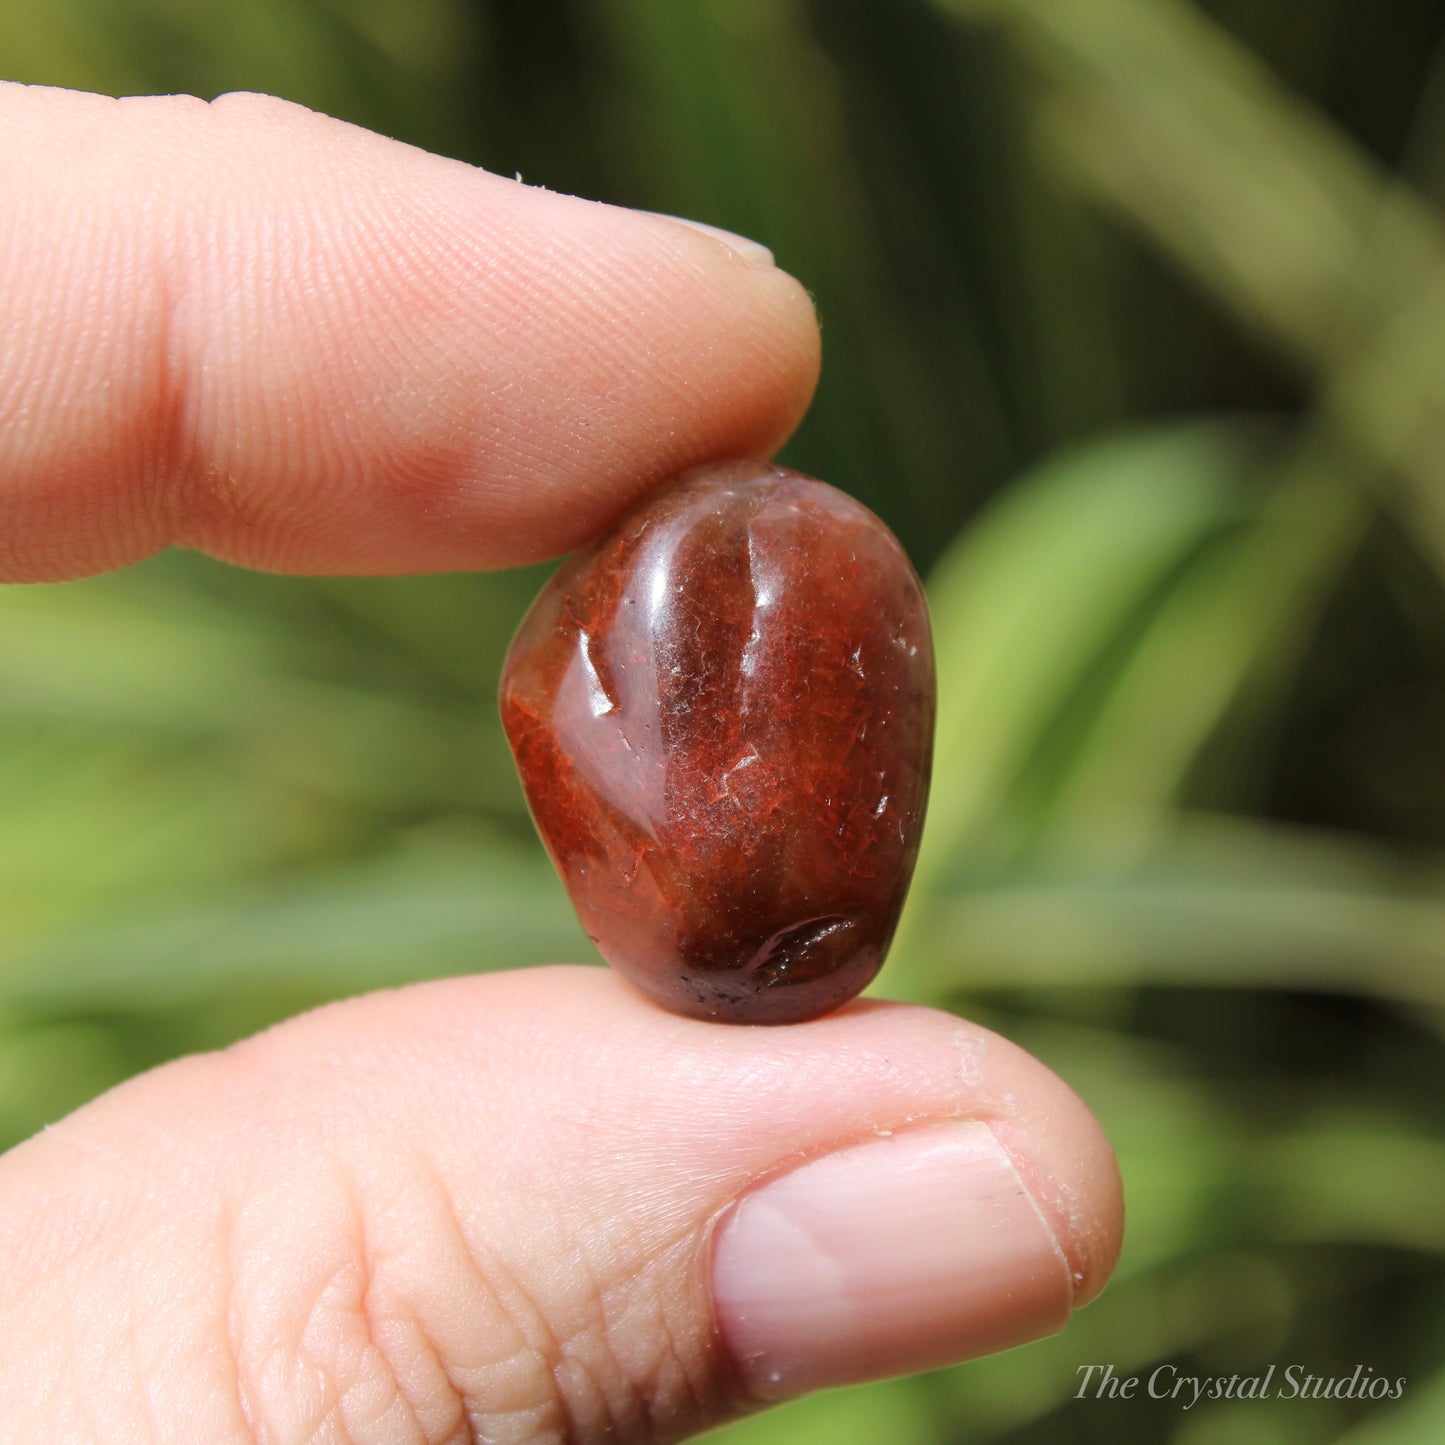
{"x":368,"y":1302}
{"x":244,"y":1406}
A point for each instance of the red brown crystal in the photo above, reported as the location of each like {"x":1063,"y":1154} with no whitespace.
{"x":722,"y":713}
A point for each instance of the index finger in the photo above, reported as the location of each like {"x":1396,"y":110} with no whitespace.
{"x":286,"y":341}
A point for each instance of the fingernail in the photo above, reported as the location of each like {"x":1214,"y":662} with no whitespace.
{"x":904,"y":1253}
{"x":753,"y":252}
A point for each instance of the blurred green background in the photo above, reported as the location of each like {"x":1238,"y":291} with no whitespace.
{"x":1134,"y":315}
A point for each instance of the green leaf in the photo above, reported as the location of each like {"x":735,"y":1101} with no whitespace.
{"x":896,"y":1411}
{"x":1031,"y":596}
{"x":1417,"y":1419}
{"x":1163,"y":116}
{"x":441,"y":911}
{"x":1219,"y":903}
{"x":1160,"y":115}
{"x":1224,"y":636}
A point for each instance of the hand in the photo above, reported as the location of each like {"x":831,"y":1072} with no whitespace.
{"x":520,"y":1207}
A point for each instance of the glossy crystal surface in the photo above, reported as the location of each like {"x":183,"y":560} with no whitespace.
{"x":722,"y":713}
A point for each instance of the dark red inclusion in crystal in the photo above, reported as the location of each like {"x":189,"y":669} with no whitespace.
{"x":722,"y":713}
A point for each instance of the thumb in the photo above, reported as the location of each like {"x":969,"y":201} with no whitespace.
{"x":534,"y":1207}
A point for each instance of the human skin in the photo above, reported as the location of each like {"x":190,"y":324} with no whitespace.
{"x":520,"y":1207}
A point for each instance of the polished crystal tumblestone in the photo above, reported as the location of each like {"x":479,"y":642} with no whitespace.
{"x":722,"y":713}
